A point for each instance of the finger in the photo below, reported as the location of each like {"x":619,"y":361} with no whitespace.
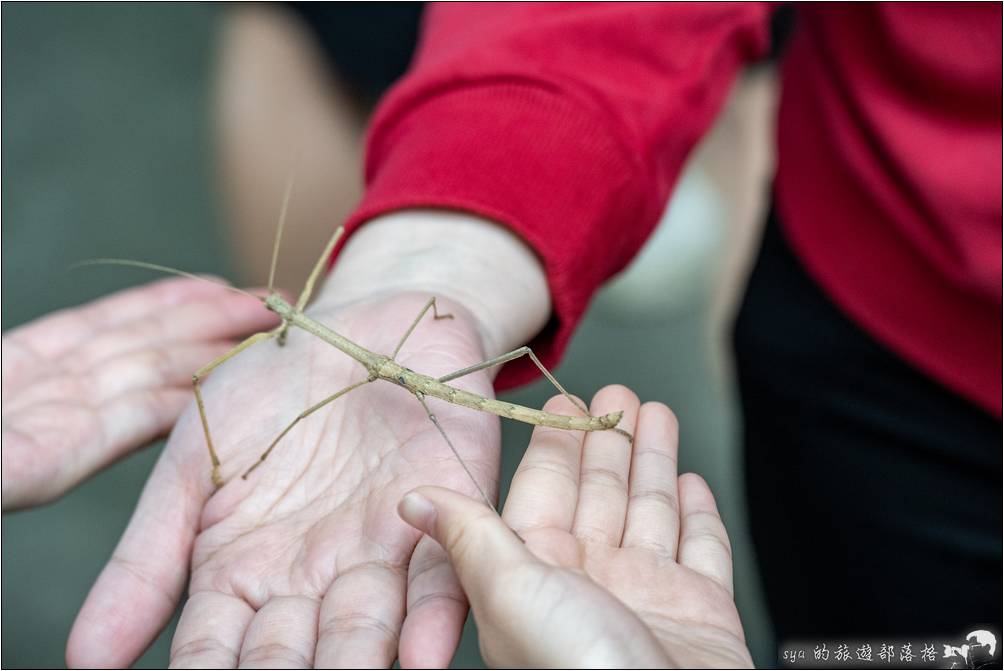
{"x":606,"y":464}
{"x":479,"y":544}
{"x":48,"y":459}
{"x":19,"y":365}
{"x":137,"y":591}
{"x":704,"y":543}
{"x":282,"y":634}
{"x":134,"y":418}
{"x":210,"y":631}
{"x":361,"y":616}
{"x":545,"y":488}
{"x":213,"y":318}
{"x":52,"y":335}
{"x":167,"y":365}
{"x":437,"y":610}
{"x":653,"y":516}
{"x":216,"y":317}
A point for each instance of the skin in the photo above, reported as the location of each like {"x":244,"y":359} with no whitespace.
{"x":618,"y":563}
{"x":282,"y":569}
{"x":284,"y":566}
{"x":115,"y":371}
{"x":442,"y":254}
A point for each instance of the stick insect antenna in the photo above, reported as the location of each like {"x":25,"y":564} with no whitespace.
{"x":162,"y":269}
{"x":278,"y":231}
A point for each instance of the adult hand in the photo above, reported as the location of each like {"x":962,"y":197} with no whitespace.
{"x":85,"y":386}
{"x":306,"y":562}
{"x":621,"y":563}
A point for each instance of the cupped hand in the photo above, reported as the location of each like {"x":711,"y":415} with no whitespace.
{"x":84,"y":386}
{"x":617,"y":563}
{"x":306,"y":562}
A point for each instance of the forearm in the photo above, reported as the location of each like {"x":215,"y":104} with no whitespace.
{"x":466,"y":259}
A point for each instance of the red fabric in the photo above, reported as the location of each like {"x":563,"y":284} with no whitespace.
{"x":569,"y":124}
{"x":889,"y":179}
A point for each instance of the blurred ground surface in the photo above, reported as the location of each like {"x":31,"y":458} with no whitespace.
{"x":106,"y":152}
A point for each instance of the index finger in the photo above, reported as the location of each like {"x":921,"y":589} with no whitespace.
{"x":55,"y":333}
{"x":207,"y":318}
{"x":545,"y":488}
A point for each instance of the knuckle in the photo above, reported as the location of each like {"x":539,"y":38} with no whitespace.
{"x":459,"y":541}
{"x":464,"y":540}
{"x":422,"y":566}
{"x":606,"y":478}
{"x":657,"y":497}
{"x":198,"y":649}
{"x":647,"y":453}
{"x":712,"y":539}
{"x":449,"y":599}
{"x":656,"y":547}
{"x":548,"y":468}
{"x":273,"y":655}
{"x":355,"y":622}
{"x":593,"y":534}
{"x":137,"y":572}
{"x":556,"y":439}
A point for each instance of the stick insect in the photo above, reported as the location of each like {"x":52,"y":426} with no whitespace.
{"x":378,"y":366}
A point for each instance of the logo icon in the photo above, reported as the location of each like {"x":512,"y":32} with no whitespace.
{"x":976,"y":653}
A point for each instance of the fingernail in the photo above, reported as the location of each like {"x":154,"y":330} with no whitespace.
{"x":417,"y":511}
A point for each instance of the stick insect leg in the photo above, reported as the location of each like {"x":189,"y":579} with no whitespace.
{"x":515,"y":354}
{"x":308,"y":287}
{"x":197,"y":384}
{"x":306,"y":413}
{"x":435,"y":421}
{"x":431,"y":303}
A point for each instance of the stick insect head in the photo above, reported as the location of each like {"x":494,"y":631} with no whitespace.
{"x":275,"y":302}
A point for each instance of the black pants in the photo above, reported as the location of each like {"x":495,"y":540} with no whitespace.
{"x":874,"y":492}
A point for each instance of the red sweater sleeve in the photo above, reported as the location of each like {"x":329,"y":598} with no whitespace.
{"x":566,"y":123}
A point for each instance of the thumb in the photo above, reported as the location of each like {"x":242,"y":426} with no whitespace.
{"x":479,"y":544}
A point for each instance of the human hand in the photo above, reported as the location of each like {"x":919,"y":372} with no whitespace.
{"x":621,"y":564}
{"x":306,"y":562}
{"x":85,"y":386}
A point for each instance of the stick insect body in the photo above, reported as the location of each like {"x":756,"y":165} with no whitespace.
{"x":380,"y":367}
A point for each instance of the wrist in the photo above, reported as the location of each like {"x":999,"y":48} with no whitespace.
{"x":472,"y":262}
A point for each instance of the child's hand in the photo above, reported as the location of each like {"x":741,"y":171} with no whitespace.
{"x":621,"y":563}
{"x":83,"y":387}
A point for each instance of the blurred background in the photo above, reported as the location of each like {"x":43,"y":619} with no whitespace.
{"x":164,"y":132}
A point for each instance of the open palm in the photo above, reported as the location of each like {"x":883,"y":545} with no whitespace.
{"x":305,"y":562}
{"x":622,"y":565}
{"x":652,"y":540}
{"x":85,"y":386}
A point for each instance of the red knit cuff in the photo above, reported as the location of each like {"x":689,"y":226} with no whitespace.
{"x":529,"y":159}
